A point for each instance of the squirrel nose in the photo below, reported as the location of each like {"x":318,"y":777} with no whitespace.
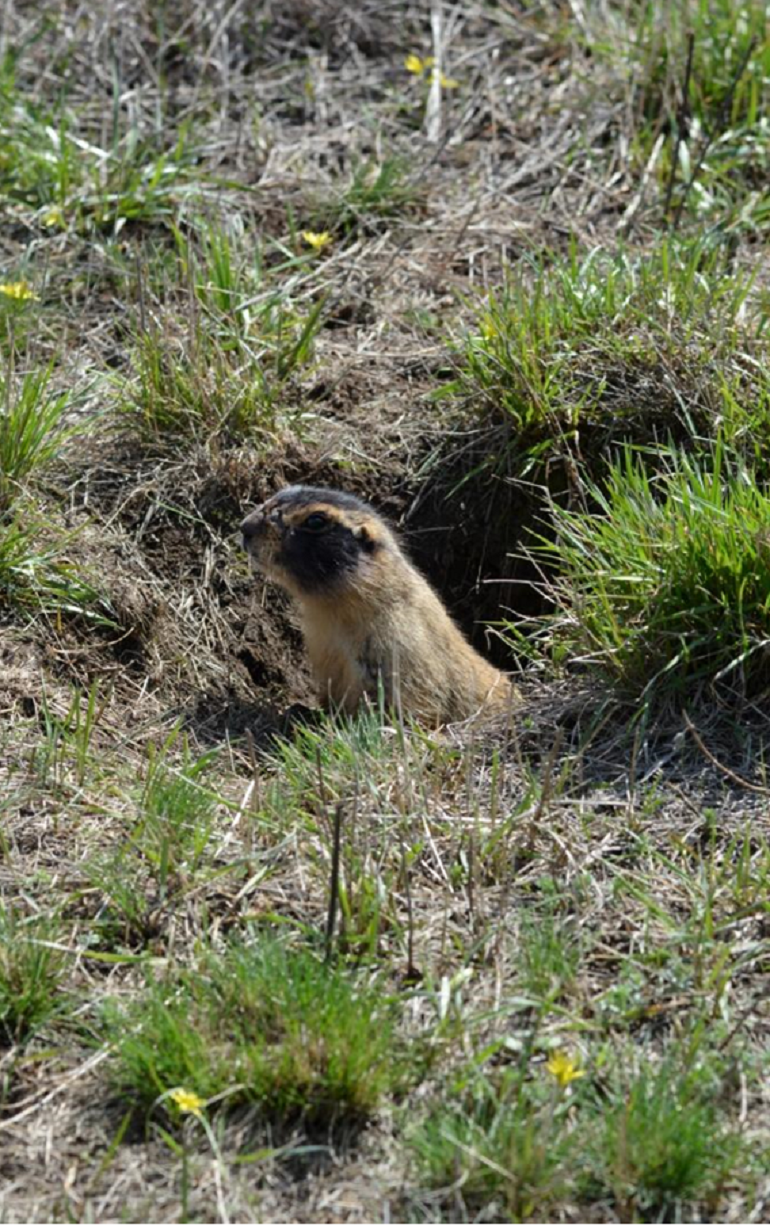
{"x":252,"y":524}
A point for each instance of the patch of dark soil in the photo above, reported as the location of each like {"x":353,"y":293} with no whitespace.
{"x":215,"y":718}
{"x":709,"y":752}
{"x":265,"y":671}
{"x":129,"y":651}
{"x":20,"y":672}
{"x":377,"y":31}
{"x":262,"y":673}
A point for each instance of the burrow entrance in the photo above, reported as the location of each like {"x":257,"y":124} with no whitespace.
{"x":201,"y":638}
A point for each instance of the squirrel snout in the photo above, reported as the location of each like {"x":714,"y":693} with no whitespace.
{"x":252,"y":526}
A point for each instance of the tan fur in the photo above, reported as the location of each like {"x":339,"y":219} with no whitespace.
{"x":385,"y":621}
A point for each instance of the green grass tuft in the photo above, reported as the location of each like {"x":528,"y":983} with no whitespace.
{"x":33,"y":429}
{"x":51,"y":164}
{"x":265,"y":1025}
{"x":652,"y":1141}
{"x":31,"y":969}
{"x":665,"y":586}
{"x":506,"y":1142}
{"x":702,"y":135}
{"x":34,"y":572}
{"x":249,"y":334}
{"x":585,"y":352}
{"x":663,"y":1142}
{"x":176,"y":822}
{"x":36,"y":577}
{"x":165,"y":849}
{"x":377,"y":192}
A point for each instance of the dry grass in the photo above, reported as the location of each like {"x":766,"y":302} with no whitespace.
{"x":563,"y":884}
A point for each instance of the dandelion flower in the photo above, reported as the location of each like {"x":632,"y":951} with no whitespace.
{"x":187,"y":1102}
{"x":564,"y":1068}
{"x":317,"y":241}
{"x":413,"y":63}
{"x":19,"y":290}
{"x":446,"y":82}
{"x":53,"y":217}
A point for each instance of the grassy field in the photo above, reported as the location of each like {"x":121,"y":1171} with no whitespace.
{"x":501,"y":269}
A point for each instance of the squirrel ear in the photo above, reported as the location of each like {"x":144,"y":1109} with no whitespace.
{"x":368,"y":543}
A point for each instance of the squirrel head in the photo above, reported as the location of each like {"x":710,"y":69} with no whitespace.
{"x":313,"y":542}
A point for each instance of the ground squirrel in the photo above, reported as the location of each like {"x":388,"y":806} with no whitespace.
{"x":369,"y":617}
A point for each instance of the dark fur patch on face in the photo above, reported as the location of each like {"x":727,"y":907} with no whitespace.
{"x":320,"y":560}
{"x":313,"y":536}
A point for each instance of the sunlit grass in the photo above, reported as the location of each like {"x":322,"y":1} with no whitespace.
{"x":34,"y":427}
{"x":551,"y":351}
{"x":263,"y":1024}
{"x":376,"y":193}
{"x":701,"y":131}
{"x":663,"y":587}
{"x":57,"y":171}
{"x":36,"y":575}
{"x":649,"y":1139}
{"x":32,"y":967}
{"x":228,"y":375}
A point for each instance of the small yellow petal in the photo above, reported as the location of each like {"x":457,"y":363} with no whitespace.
{"x":448,"y":82}
{"x":414,"y":64}
{"x":187,"y":1101}
{"x":53,"y":217}
{"x":19,"y":290}
{"x":317,"y":241}
{"x":564,"y":1068}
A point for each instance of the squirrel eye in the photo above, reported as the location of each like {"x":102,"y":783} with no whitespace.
{"x":315,"y":522}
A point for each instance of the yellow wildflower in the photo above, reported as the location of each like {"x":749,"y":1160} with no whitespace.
{"x":54,"y":216}
{"x":187,"y":1102}
{"x":19,"y":290}
{"x":413,"y":63}
{"x":317,"y":241}
{"x":488,"y":328}
{"x":446,"y":82}
{"x":564,"y":1068}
